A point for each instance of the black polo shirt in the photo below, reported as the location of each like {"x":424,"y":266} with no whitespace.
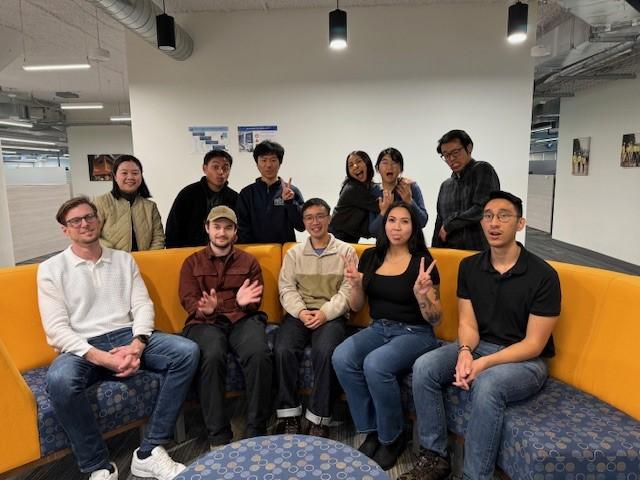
{"x":502,"y":303}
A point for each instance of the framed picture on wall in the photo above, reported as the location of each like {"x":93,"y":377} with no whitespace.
{"x":630,"y":150}
{"x":101,"y":165}
{"x":580,"y":156}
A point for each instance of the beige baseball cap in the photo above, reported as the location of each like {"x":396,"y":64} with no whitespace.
{"x":222,"y":212}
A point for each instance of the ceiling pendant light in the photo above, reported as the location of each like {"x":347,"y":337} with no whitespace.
{"x":517,"y":24}
{"x":165,"y":30}
{"x":338,"y":28}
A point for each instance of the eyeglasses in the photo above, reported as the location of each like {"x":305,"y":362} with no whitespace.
{"x":318,"y":218}
{"x":223,"y":168}
{"x":452,"y":154}
{"x":503,"y":217}
{"x":75,"y":222}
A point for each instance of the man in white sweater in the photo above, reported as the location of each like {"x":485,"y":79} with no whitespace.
{"x":97,"y":314}
{"x":315,"y":296}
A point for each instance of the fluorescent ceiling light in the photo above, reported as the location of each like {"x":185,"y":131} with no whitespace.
{"x":21,"y":140}
{"x":541,"y":129}
{"x":121,"y":118}
{"x":8,"y":152}
{"x":546,"y":140}
{"x":81,"y":106}
{"x":14,"y":123}
{"x":35,"y":149}
{"x":54,"y":67}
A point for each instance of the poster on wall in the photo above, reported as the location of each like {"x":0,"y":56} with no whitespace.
{"x":250,"y":136}
{"x":630,"y":150}
{"x":207,"y":138}
{"x":101,"y":165}
{"x":580,"y":156}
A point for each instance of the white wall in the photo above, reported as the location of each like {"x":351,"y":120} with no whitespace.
{"x":94,"y":140}
{"x":599,"y":211}
{"x":6,"y":241}
{"x":410,"y":74}
{"x":35,"y":176}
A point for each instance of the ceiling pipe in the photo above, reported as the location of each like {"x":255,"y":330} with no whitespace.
{"x":140,"y":18}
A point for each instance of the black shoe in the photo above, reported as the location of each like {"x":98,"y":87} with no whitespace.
{"x":251,"y":432}
{"x":387,"y":455}
{"x":370,"y":444}
{"x":288,"y":426}
{"x":430,"y":466}
{"x":319,"y":430}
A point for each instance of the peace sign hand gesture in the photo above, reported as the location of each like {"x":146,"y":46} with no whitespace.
{"x":423,"y":282}
{"x":351,"y":273}
{"x":287,"y":191}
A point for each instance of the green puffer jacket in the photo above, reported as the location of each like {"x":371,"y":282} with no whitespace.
{"x":116,"y":216}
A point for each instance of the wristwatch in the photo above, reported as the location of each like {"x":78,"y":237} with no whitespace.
{"x":144,"y":339}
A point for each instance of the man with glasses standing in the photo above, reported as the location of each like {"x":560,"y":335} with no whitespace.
{"x":508,"y":305}
{"x":194,"y":202}
{"x":96,"y":312}
{"x":462,"y":196}
{"x":315,"y":296}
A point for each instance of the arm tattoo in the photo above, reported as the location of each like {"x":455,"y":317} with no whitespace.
{"x":429,"y":310}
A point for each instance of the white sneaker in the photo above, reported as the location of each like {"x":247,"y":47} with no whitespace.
{"x":159,"y":465}
{"x":105,"y":474}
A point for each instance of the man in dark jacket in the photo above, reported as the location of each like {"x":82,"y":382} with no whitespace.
{"x":193,"y":203}
{"x":269,"y":209}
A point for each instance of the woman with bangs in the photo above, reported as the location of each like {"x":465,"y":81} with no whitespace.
{"x":400,"y":281}
{"x":350,"y":220}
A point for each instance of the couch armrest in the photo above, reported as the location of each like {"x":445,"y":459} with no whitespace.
{"x":19,"y":442}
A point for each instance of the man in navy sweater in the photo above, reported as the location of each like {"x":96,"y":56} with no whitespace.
{"x":269,"y":210}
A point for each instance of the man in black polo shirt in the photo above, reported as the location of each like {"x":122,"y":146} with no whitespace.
{"x":508,"y":303}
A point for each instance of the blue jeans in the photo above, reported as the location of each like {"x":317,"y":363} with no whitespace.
{"x":69,"y":376}
{"x":490,"y":393}
{"x":368,"y":365}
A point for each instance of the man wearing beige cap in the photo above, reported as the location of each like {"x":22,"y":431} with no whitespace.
{"x":221,"y":288}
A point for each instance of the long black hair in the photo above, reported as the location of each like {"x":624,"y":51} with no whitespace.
{"x":416,"y":243}
{"x":367,"y":162}
{"x":143,"y":190}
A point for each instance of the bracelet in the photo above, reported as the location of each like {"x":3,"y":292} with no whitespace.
{"x":462,"y":348}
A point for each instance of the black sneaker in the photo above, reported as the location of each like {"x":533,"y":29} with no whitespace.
{"x":319,"y":430}
{"x":430,"y":466}
{"x":387,"y":455}
{"x":370,"y":444}
{"x":288,"y":426}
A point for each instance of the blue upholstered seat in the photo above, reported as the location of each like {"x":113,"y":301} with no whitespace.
{"x":560,"y":433}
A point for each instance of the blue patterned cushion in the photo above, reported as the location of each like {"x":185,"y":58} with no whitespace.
{"x":115,"y":403}
{"x":560,"y":433}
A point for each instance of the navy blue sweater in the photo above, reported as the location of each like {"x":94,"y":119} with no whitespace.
{"x":264,"y":217}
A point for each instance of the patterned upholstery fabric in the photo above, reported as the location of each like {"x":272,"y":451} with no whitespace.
{"x":115,"y":404}
{"x":284,"y":456}
{"x":560,"y":433}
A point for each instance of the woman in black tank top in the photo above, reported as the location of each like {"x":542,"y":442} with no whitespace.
{"x":399,"y":278}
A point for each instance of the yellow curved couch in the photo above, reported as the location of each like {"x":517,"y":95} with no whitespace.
{"x":596,"y":337}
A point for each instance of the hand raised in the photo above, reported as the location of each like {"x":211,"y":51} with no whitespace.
{"x":287,"y":191}
{"x":423,"y":282}
{"x":351,"y":273}
{"x":404,"y":190}
{"x":385,"y":201}
{"x":249,"y":293}
{"x":208,"y":302}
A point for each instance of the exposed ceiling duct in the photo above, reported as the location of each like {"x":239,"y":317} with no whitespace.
{"x":140,"y":17}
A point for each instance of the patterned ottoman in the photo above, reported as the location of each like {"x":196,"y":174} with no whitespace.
{"x":282,"y":457}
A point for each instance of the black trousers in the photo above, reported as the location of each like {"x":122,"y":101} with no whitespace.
{"x":247,"y":338}
{"x":291,"y":340}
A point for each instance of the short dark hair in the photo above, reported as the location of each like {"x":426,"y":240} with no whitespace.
{"x":395,"y":155}
{"x":70,"y":204}
{"x":315,"y":202}
{"x":143,"y":190}
{"x":451,"y":135}
{"x":517,"y":202}
{"x":217,"y":152}
{"x":267,"y":147}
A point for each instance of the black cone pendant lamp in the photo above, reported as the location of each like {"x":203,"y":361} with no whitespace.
{"x":165,"y":31}
{"x":338,"y":29}
{"x":517,"y":24}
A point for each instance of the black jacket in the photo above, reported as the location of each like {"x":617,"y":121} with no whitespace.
{"x":263,"y":217}
{"x":350,"y":219}
{"x":185,"y":223}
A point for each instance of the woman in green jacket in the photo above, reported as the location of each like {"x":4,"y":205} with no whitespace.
{"x":130,"y":221}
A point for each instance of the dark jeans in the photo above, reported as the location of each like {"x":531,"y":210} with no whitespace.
{"x":291,"y":340}
{"x":248,"y":340}
{"x":70,"y":375}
